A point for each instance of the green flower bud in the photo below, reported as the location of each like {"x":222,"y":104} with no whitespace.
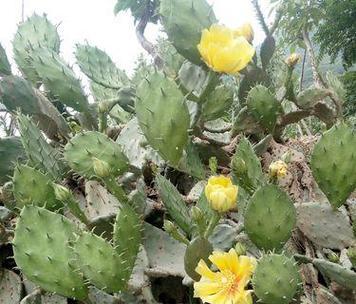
{"x":62,"y":193}
{"x":169,"y":227}
{"x":101,"y":168}
{"x":197,"y":214}
{"x":333,"y":257}
{"x":240,"y":249}
{"x":239,"y":166}
{"x":213,"y":165}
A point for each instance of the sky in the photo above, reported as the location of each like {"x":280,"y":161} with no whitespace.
{"x":95,"y":22}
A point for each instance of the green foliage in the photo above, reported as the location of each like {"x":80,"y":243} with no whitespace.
{"x":139,"y":9}
{"x":338,"y":17}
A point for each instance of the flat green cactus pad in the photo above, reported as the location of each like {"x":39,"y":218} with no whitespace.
{"x":42,"y":252}
{"x":333,"y":163}
{"x":36,"y":32}
{"x":33,"y":187}
{"x":276,"y":279}
{"x":269,"y":218}
{"x":107,"y":274}
{"x":184,"y":22}
{"x":81,"y":149}
{"x":163,"y":116}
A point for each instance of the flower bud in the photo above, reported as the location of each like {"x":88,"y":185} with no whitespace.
{"x":62,"y":193}
{"x":278,"y":169}
{"x":197,"y":214}
{"x":240,"y":249}
{"x":213,"y":164}
{"x":239,"y":166}
{"x":246,"y":31}
{"x":333,"y":257}
{"x":221,"y":193}
{"x":169,"y":227}
{"x":286,"y":157}
{"x":101,"y":168}
{"x":292,"y":60}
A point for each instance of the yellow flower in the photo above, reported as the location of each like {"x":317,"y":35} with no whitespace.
{"x":228,"y":284}
{"x":292,"y":60}
{"x":246,"y":31}
{"x":223,"y":51}
{"x":221,"y":193}
{"x":278,"y":169}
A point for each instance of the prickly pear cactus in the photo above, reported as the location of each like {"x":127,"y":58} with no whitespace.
{"x":276,"y":279}
{"x":264,"y":107}
{"x":269,"y":218}
{"x":163,"y":116}
{"x":99,"y":67}
{"x":331,"y":162}
{"x":43,"y":252}
{"x":36,"y":32}
{"x":183,"y":22}
{"x":30,"y":186}
{"x":81,"y":150}
{"x":174,"y":183}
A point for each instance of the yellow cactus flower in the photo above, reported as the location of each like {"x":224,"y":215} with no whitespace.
{"x":228,"y":284}
{"x":224,"y":52}
{"x":221,"y":193}
{"x":246,"y":31}
{"x":278,"y":169}
{"x":292,"y":60}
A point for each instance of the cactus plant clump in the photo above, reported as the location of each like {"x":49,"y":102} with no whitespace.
{"x":199,"y":178}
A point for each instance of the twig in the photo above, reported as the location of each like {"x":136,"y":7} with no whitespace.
{"x":147,"y":45}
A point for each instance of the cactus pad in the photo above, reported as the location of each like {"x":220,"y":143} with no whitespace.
{"x":36,"y":32}
{"x":264,"y":107}
{"x":276,"y":279}
{"x":42,"y":251}
{"x":79,"y":153}
{"x":163,"y":116}
{"x":5,"y":68}
{"x":39,"y":152}
{"x":341,"y":275}
{"x":174,"y":203}
{"x":106,"y":274}
{"x":99,"y":67}
{"x":127,"y":239}
{"x":33,"y":187}
{"x":60,"y":79}
{"x":217,"y":103}
{"x":247,"y":167}
{"x":16,"y":92}
{"x":333,"y":164}
{"x":324,"y":226}
{"x":184,"y":22}
{"x":270,"y":217}
{"x":11,"y":151}
{"x":198,"y":249}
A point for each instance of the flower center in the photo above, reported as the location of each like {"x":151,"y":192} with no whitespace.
{"x":230,"y":281}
